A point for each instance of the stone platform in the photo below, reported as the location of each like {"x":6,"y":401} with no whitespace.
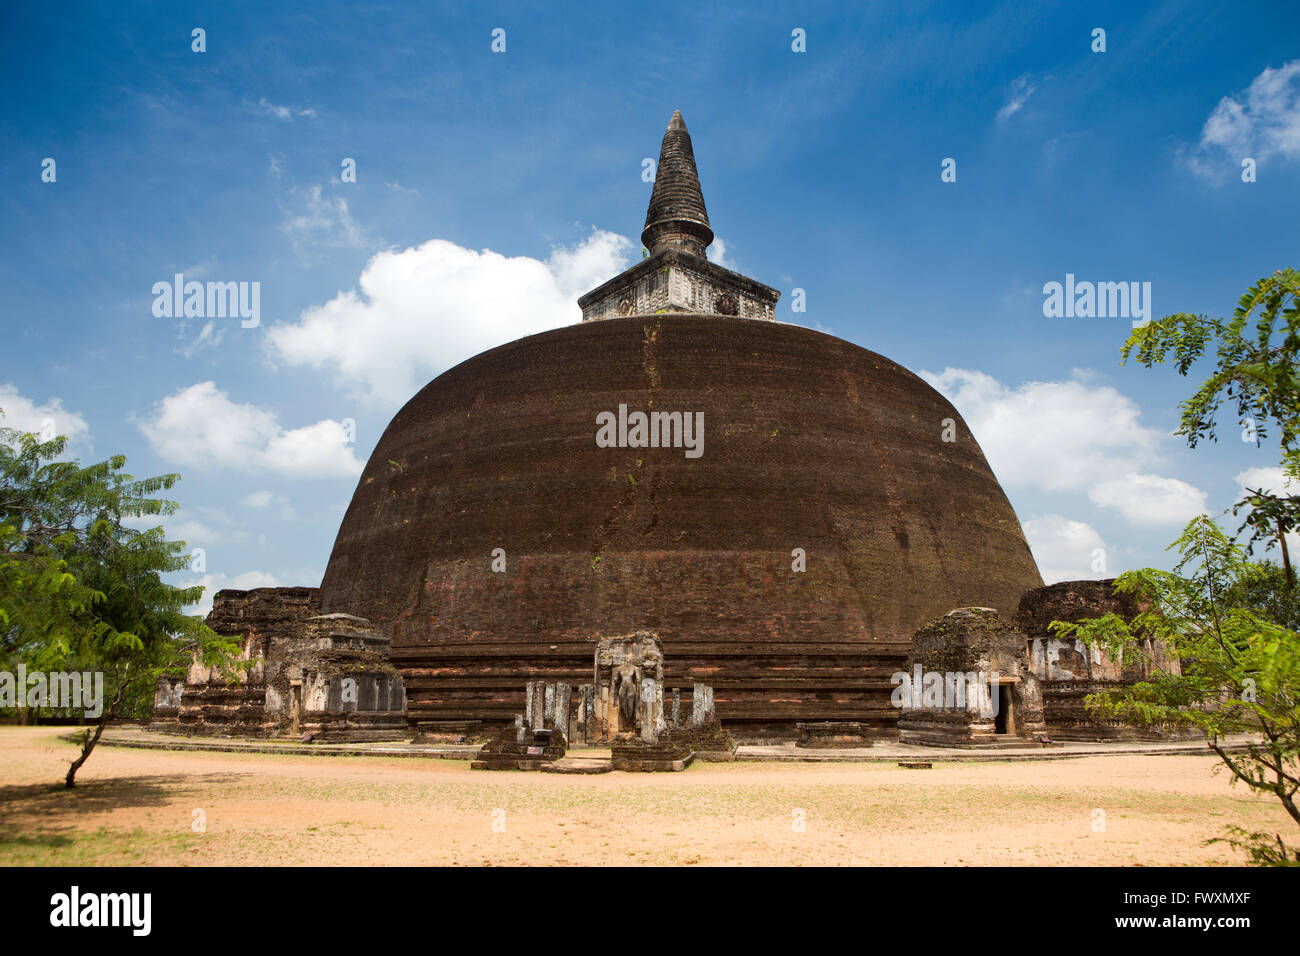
{"x":588,"y":758}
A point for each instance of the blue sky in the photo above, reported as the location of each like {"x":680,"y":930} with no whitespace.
{"x":821,"y":170}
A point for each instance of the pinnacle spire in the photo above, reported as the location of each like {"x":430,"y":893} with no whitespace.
{"x":677,"y":218}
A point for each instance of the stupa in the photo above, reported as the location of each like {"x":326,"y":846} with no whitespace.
{"x":783,"y":509}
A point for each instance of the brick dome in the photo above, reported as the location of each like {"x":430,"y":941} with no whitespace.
{"x":809,"y":442}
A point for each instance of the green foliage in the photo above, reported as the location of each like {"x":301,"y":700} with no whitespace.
{"x":1231,"y":623}
{"x":1255,"y":373}
{"x":80,"y":588}
{"x":1267,"y":594}
{"x":1239,"y":668}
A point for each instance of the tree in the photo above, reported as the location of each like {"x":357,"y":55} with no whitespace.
{"x":1231,"y":623}
{"x":1266,"y":593}
{"x":1255,"y":371}
{"x":1240,"y":671}
{"x":78,"y":586}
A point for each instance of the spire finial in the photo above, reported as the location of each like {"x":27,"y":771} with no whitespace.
{"x":677,"y":218}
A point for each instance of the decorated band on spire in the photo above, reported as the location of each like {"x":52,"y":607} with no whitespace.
{"x":677,"y":218}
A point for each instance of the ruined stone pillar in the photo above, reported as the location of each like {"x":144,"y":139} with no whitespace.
{"x":701,"y":705}
{"x":520,"y":732}
{"x":538,"y":695}
{"x":650,"y":714}
{"x":589,"y":729}
{"x":561,"y":718}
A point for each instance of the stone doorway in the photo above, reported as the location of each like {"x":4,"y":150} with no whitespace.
{"x":1004,"y":722}
{"x":295,"y":707}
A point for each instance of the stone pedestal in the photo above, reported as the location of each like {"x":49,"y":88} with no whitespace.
{"x":835,"y":733}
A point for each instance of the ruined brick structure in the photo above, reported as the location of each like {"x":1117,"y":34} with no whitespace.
{"x":1069,"y":671}
{"x":325,"y":675}
{"x":968,"y":682}
{"x":787,"y":566}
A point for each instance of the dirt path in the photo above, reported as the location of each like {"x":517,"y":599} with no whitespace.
{"x":145,"y":807}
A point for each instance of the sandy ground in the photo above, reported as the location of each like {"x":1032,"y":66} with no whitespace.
{"x":140,"y":807}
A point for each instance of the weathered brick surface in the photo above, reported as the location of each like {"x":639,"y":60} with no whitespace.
{"x":978,"y":642}
{"x":810,"y":442}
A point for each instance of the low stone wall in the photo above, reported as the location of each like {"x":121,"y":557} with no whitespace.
{"x":836,"y":733}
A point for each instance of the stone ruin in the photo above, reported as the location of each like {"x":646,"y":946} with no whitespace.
{"x":628,"y":695}
{"x":329,"y":676}
{"x":834,"y":734}
{"x":521,"y":747}
{"x":320,"y":676}
{"x":1042,"y":680}
{"x":969,"y":683}
{"x":626,"y":706}
{"x":1068,"y":670}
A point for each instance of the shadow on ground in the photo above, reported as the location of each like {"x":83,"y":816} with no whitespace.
{"x":45,"y":814}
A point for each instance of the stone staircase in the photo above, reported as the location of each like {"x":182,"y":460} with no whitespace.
{"x":583,"y":760}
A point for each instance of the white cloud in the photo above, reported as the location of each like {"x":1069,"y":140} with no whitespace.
{"x":601,"y":256}
{"x":1271,"y":481}
{"x":182,"y":527}
{"x":1072,"y":435}
{"x":1021,"y":88}
{"x":1060,"y":436}
{"x":212,"y":583}
{"x":284,"y":112}
{"x":1260,"y":123}
{"x":1150,"y":499}
{"x":209,"y":337}
{"x":47,"y":420}
{"x":424,"y":309}
{"x":316,"y":221}
{"x":1066,"y":550}
{"x":201,"y":427}
{"x":266,"y":500}
{"x":199,"y":527}
{"x":717,"y":254}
